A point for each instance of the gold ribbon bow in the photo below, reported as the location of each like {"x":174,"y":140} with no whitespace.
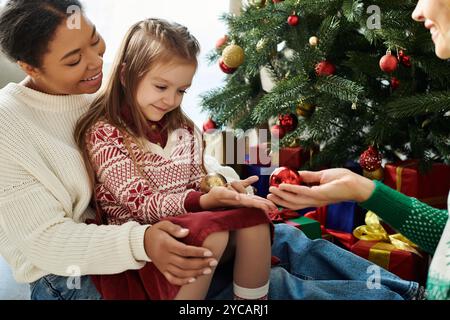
{"x":374,"y":231}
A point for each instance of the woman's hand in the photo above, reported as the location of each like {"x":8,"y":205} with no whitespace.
{"x":179,"y":263}
{"x":220,"y":197}
{"x":333,"y":185}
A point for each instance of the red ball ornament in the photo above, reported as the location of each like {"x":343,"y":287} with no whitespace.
{"x":293,"y":20}
{"x":209,"y":125}
{"x":278,"y":131}
{"x":370,"y":160}
{"x":221,"y":42}
{"x":288,"y":121}
{"x":226,"y":69}
{"x":325,"y":68}
{"x":395,"y":83}
{"x":406,"y":61}
{"x":284,"y":175}
{"x":388,"y":63}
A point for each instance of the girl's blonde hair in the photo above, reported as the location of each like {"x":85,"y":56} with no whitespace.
{"x":147,"y":43}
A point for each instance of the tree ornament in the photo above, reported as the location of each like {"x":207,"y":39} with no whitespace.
{"x":293,"y":20}
{"x":221,"y":42}
{"x":261,"y":44}
{"x":289,"y":122}
{"x":284,"y":175}
{"x":370,"y":160}
{"x":257,"y":3}
{"x":278,"y":131}
{"x":209,"y":125}
{"x":305,"y":109}
{"x":325,"y":68}
{"x":212,"y":180}
{"x":277,"y":1}
{"x":313,"y":41}
{"x":233,"y":56}
{"x":374,"y":175}
{"x":404,"y":59}
{"x":354,"y":106}
{"x":388,"y":63}
{"x":395,"y":83}
{"x":225,"y":68}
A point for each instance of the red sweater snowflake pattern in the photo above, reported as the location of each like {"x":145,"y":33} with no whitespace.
{"x":165,"y":182}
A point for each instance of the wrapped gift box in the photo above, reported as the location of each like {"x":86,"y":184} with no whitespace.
{"x":344,"y":216}
{"x":405,"y":264}
{"x":310,"y":227}
{"x":431,"y":187}
{"x":341,"y":238}
{"x":292,"y":157}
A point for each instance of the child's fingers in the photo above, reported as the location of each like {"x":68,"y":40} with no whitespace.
{"x":249,"y":181}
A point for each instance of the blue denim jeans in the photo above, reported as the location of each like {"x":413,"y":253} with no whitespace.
{"x":52,"y":287}
{"x":309,"y":270}
{"x":320,"y":270}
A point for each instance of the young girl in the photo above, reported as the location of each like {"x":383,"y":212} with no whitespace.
{"x":145,"y":164}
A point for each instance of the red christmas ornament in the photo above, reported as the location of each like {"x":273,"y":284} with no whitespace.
{"x":388,"y":63}
{"x":284,"y":175}
{"x":209,"y":125}
{"x":293,"y":20}
{"x":278,"y":131}
{"x":226,"y":69}
{"x":395,"y":83}
{"x":288,"y":122}
{"x":406,"y":61}
{"x":221,"y":42}
{"x":325,"y":68}
{"x":370,"y":160}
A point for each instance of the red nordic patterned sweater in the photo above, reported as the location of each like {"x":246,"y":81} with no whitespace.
{"x":170,"y":165}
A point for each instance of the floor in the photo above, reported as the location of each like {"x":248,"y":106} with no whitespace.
{"x":9,"y":288}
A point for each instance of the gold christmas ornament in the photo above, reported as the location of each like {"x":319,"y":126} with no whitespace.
{"x":313,"y":41}
{"x":233,"y":56}
{"x":374,"y":175}
{"x":257,"y":3}
{"x":305,"y":109}
{"x":261,"y":44}
{"x":212,"y":180}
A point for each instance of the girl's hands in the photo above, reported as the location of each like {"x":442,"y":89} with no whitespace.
{"x":219,"y":197}
{"x":241,"y":185}
{"x":333,"y":185}
{"x":179,"y":263}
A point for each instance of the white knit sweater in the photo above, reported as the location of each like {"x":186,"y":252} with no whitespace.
{"x":44,"y":194}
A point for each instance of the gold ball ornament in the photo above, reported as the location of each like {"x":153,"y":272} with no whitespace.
{"x":212,"y":180}
{"x":305,"y":109}
{"x":257,"y":3}
{"x":374,"y":175}
{"x":313,"y":41}
{"x":233,"y":56}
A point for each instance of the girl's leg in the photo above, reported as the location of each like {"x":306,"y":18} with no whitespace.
{"x":252,"y":262}
{"x":216,"y":242}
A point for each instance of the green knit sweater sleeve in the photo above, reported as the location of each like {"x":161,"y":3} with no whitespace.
{"x":417,"y":221}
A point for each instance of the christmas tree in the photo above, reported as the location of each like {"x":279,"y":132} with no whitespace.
{"x":347,"y":75}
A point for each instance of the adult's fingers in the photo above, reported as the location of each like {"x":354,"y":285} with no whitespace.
{"x":176,"y":280}
{"x":187,"y":274}
{"x":281,"y":202}
{"x":310,"y":176}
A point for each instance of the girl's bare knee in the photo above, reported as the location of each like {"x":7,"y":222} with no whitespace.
{"x":217,"y":242}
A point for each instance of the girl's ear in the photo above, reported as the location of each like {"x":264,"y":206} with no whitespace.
{"x":122,"y":73}
{"x":29,"y":70}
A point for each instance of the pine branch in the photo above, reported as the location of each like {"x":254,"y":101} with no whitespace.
{"x":419,"y":104}
{"x":341,"y":88}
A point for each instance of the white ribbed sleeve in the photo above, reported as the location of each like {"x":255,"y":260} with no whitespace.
{"x":45,"y":193}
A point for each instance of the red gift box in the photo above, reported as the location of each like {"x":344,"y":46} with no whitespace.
{"x":405,"y":264}
{"x":346,"y":239}
{"x":292,"y":157}
{"x":431,"y":187}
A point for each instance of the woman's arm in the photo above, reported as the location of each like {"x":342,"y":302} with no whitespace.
{"x":416,"y":220}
